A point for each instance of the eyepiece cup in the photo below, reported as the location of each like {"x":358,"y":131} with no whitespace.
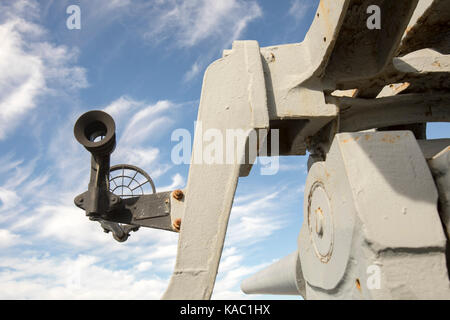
{"x":94,"y":124}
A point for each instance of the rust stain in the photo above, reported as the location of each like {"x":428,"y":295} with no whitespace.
{"x":351,"y":139}
{"x":177,"y":194}
{"x":176,"y":225}
{"x":402,"y":87}
{"x":367,"y":137}
{"x":270,"y":57}
{"x":436,"y":64}
{"x":358,"y":284}
{"x":388,"y":138}
{"x":324,"y":11}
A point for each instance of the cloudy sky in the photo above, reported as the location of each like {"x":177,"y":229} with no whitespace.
{"x":143,"y":62}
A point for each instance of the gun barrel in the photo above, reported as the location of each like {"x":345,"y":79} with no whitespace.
{"x":283,"y":277}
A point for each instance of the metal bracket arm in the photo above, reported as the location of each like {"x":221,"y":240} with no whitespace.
{"x":150,"y":210}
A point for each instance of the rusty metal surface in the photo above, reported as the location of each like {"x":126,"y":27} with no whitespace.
{"x":431,"y":18}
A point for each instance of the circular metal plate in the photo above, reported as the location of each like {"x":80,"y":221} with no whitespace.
{"x":320,"y":222}
{"x":325,"y":239}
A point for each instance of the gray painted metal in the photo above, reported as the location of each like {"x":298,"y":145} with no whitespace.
{"x":211,"y":187}
{"x":283,"y":277}
{"x":349,"y":236}
{"x":368,"y":195}
{"x":440,"y":168}
{"x":377,"y":195}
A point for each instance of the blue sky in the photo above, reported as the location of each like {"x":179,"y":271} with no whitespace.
{"x":143,"y":62}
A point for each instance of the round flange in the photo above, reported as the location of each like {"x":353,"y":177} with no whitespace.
{"x":325,"y":239}
{"x":320,"y":222}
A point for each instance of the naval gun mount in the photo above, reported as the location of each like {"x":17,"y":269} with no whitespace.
{"x":376,"y":200}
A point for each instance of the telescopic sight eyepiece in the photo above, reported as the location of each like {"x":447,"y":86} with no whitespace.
{"x":96,"y":131}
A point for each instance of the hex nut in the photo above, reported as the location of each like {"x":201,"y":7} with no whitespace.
{"x":178,"y":194}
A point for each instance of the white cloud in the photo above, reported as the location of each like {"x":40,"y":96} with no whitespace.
{"x":80,"y":278}
{"x":144,"y":266}
{"x":227,"y":287}
{"x":232,"y":270}
{"x":177,"y":182}
{"x":186,"y":24}
{"x":19,"y":174}
{"x":62,"y":223}
{"x":299,"y":8}
{"x":137,"y":121}
{"x":7,"y":162}
{"x":137,"y":126}
{"x":293,"y":167}
{"x":8,"y":199}
{"x":21,"y":77}
{"x":8,"y":238}
{"x":252,"y":221}
{"x":139,"y":130}
{"x":30,"y":66}
{"x":194,"y":71}
{"x":140,"y":157}
{"x":191,"y":22}
{"x":121,"y":106}
{"x":115,"y":4}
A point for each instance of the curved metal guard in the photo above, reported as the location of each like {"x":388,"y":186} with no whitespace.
{"x":134,"y":180}
{"x":137,"y":181}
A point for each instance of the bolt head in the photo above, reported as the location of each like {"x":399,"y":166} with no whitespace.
{"x":176,"y":225}
{"x":178,"y":194}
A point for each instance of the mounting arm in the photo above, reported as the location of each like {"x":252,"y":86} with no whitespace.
{"x":95,"y":130}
